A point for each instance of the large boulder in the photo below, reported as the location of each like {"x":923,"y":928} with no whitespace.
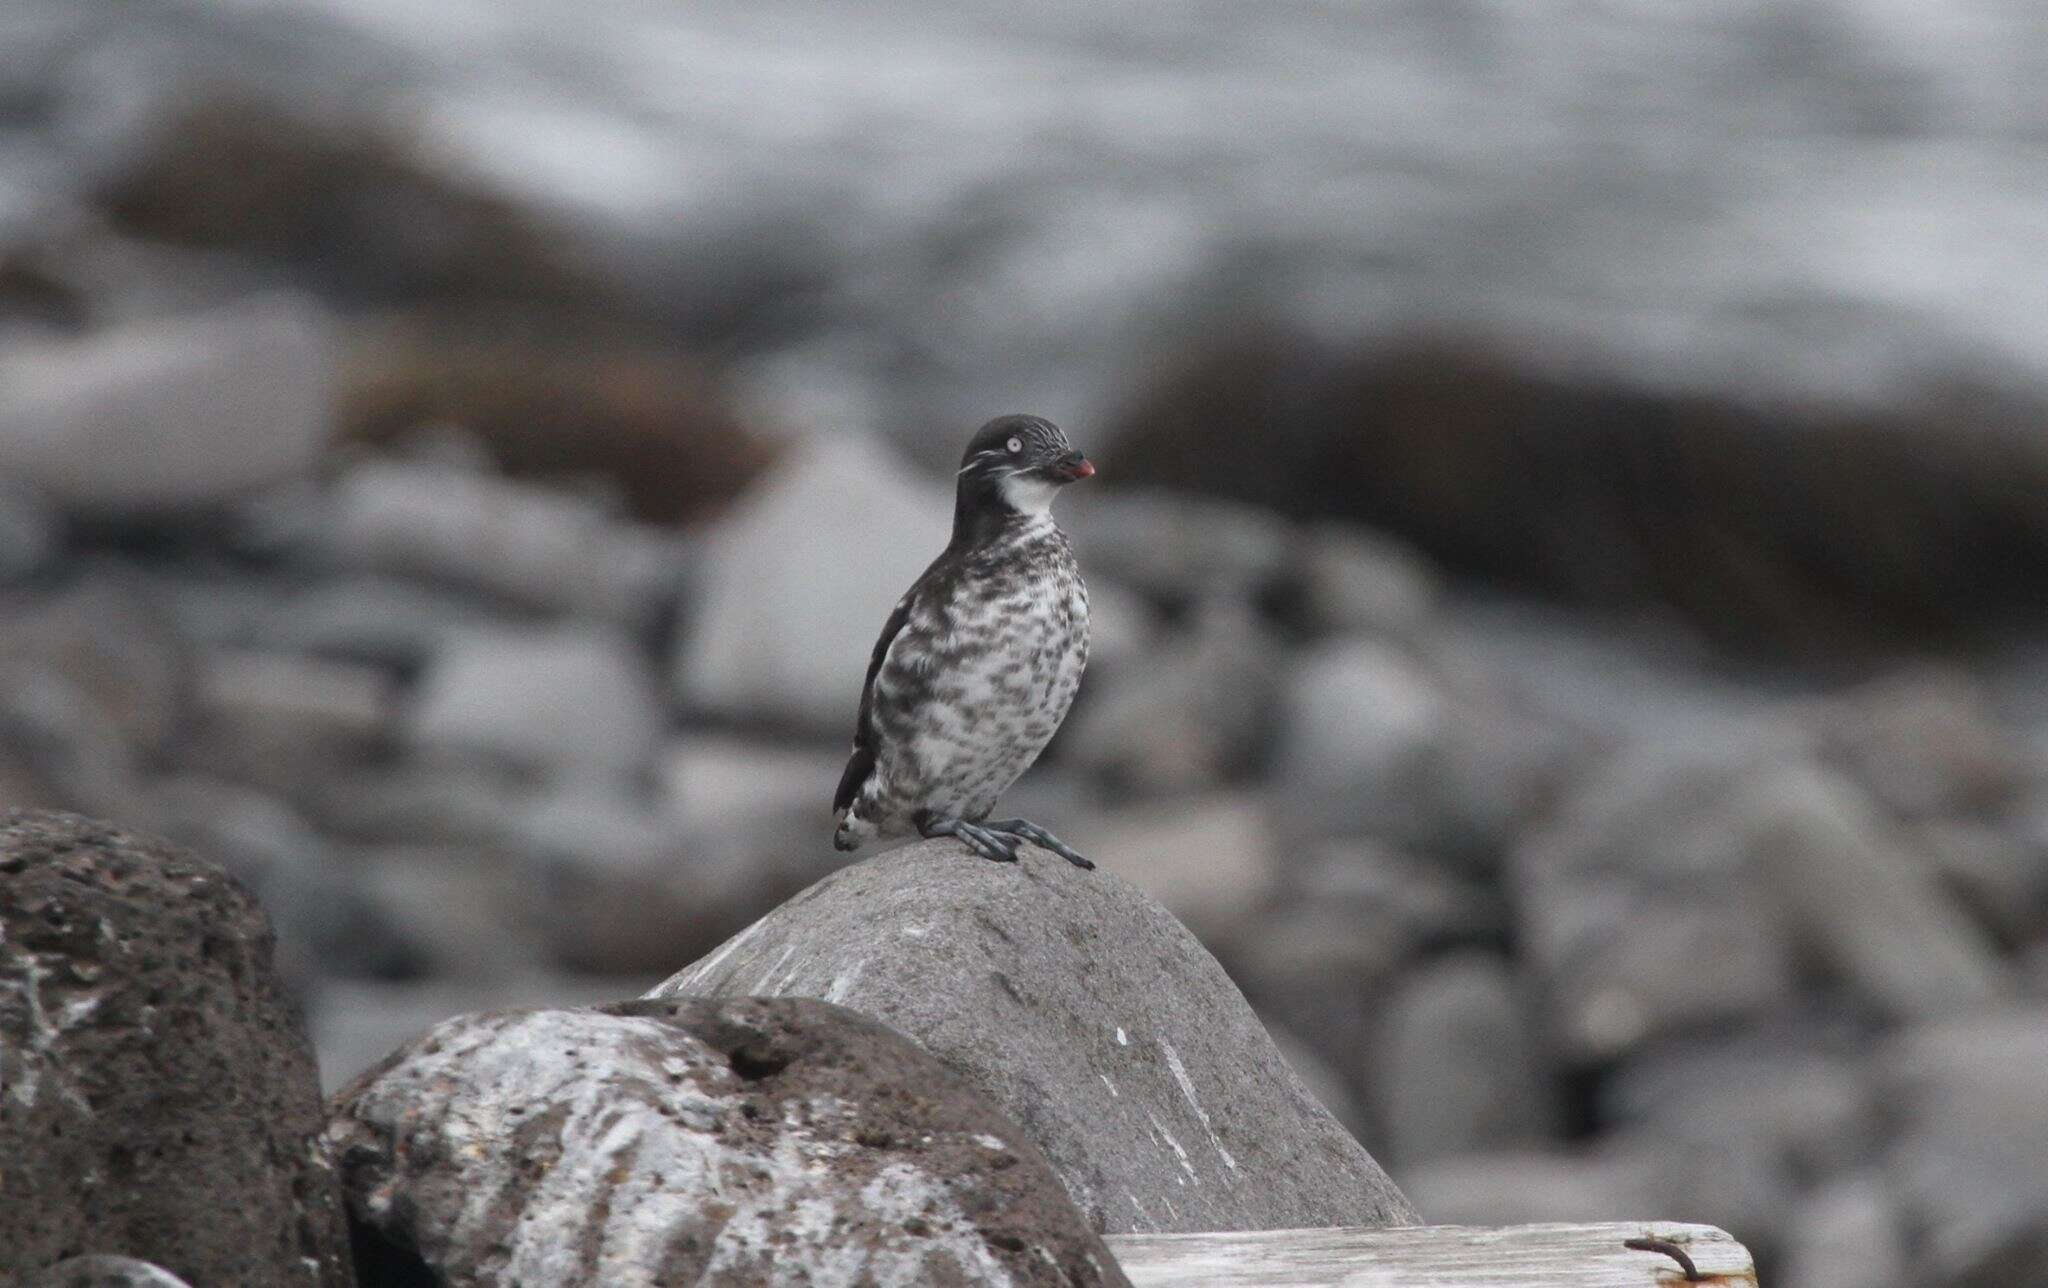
{"x":1090,"y":1015}
{"x":675,"y":1142}
{"x":157,"y":1094}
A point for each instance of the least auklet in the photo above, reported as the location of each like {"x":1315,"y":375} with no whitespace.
{"x":980,"y":660}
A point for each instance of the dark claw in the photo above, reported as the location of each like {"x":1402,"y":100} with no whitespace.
{"x":1025,"y":830}
{"x":988,"y":843}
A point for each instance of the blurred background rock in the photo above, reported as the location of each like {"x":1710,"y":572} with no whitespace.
{"x":1568,"y":562}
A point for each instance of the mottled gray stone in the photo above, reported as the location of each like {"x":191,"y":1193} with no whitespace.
{"x":157,"y":1094}
{"x":723,"y":1143}
{"x":1090,"y":1016}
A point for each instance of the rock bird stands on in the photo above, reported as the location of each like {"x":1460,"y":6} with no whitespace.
{"x":979,"y":663}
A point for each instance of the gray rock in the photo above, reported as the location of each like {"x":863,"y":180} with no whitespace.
{"x":1808,"y":1107}
{"x":572,"y":700}
{"x":31,"y":533}
{"x":1458,"y":1069}
{"x":1638,"y":909}
{"x":274,"y":698}
{"x":1179,"y":548}
{"x":1328,"y":1086}
{"x":105,"y":640}
{"x":461,"y":912}
{"x":1925,"y":742}
{"x":1846,"y":1234}
{"x":169,"y":413}
{"x":1124,"y":630}
{"x":1321,"y":968}
{"x":358,"y":1023}
{"x":798,"y":579}
{"x":1200,"y":715}
{"x":1088,"y":1014}
{"x":101,"y":1271}
{"x":1516,"y":1187}
{"x":1968,"y":1093}
{"x":1422,"y":902}
{"x":1375,"y":746}
{"x":159,"y":1096}
{"x":1998,"y":872}
{"x":367,"y":617}
{"x":1355,"y":581}
{"x":286,"y":721}
{"x":542,"y":547}
{"x":326,"y":923}
{"x":1210,"y":859}
{"x":737,"y":1142}
{"x":1876,"y":911}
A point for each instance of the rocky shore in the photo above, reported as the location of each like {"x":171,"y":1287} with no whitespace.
{"x":1604,"y":776}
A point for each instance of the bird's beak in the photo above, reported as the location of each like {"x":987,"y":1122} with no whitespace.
{"x":1074,"y":466}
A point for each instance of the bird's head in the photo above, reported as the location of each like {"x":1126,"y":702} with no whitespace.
{"x":1017,"y":464}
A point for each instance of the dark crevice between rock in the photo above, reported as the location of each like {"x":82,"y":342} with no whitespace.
{"x":384,"y":1263}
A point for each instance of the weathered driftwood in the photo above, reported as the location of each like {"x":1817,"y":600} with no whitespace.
{"x":1437,"y":1256}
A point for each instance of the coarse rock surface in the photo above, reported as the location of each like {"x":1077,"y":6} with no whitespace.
{"x":169,"y":413}
{"x":737,"y":1142}
{"x":157,"y":1095}
{"x":99,"y":1271}
{"x":1090,"y":1015}
{"x":799,"y":578}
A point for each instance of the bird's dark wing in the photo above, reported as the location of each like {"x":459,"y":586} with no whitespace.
{"x":862,"y":762}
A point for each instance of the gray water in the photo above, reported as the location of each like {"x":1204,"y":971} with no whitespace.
{"x":919,"y":211}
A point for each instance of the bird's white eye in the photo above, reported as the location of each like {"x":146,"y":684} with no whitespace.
{"x":1016,"y":446}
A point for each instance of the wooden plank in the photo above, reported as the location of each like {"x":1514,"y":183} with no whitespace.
{"x":1436,"y":1256}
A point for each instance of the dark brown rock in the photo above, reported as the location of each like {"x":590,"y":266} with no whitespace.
{"x":735,"y":1142}
{"x":1809,"y":530}
{"x":157,"y":1094}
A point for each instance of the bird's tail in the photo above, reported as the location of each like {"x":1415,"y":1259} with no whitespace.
{"x":852,"y":833}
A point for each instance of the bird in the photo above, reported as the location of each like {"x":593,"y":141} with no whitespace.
{"x":979,"y":661}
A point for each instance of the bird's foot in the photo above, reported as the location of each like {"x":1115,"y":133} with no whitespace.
{"x":1018,"y":829}
{"x":986,"y":841}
